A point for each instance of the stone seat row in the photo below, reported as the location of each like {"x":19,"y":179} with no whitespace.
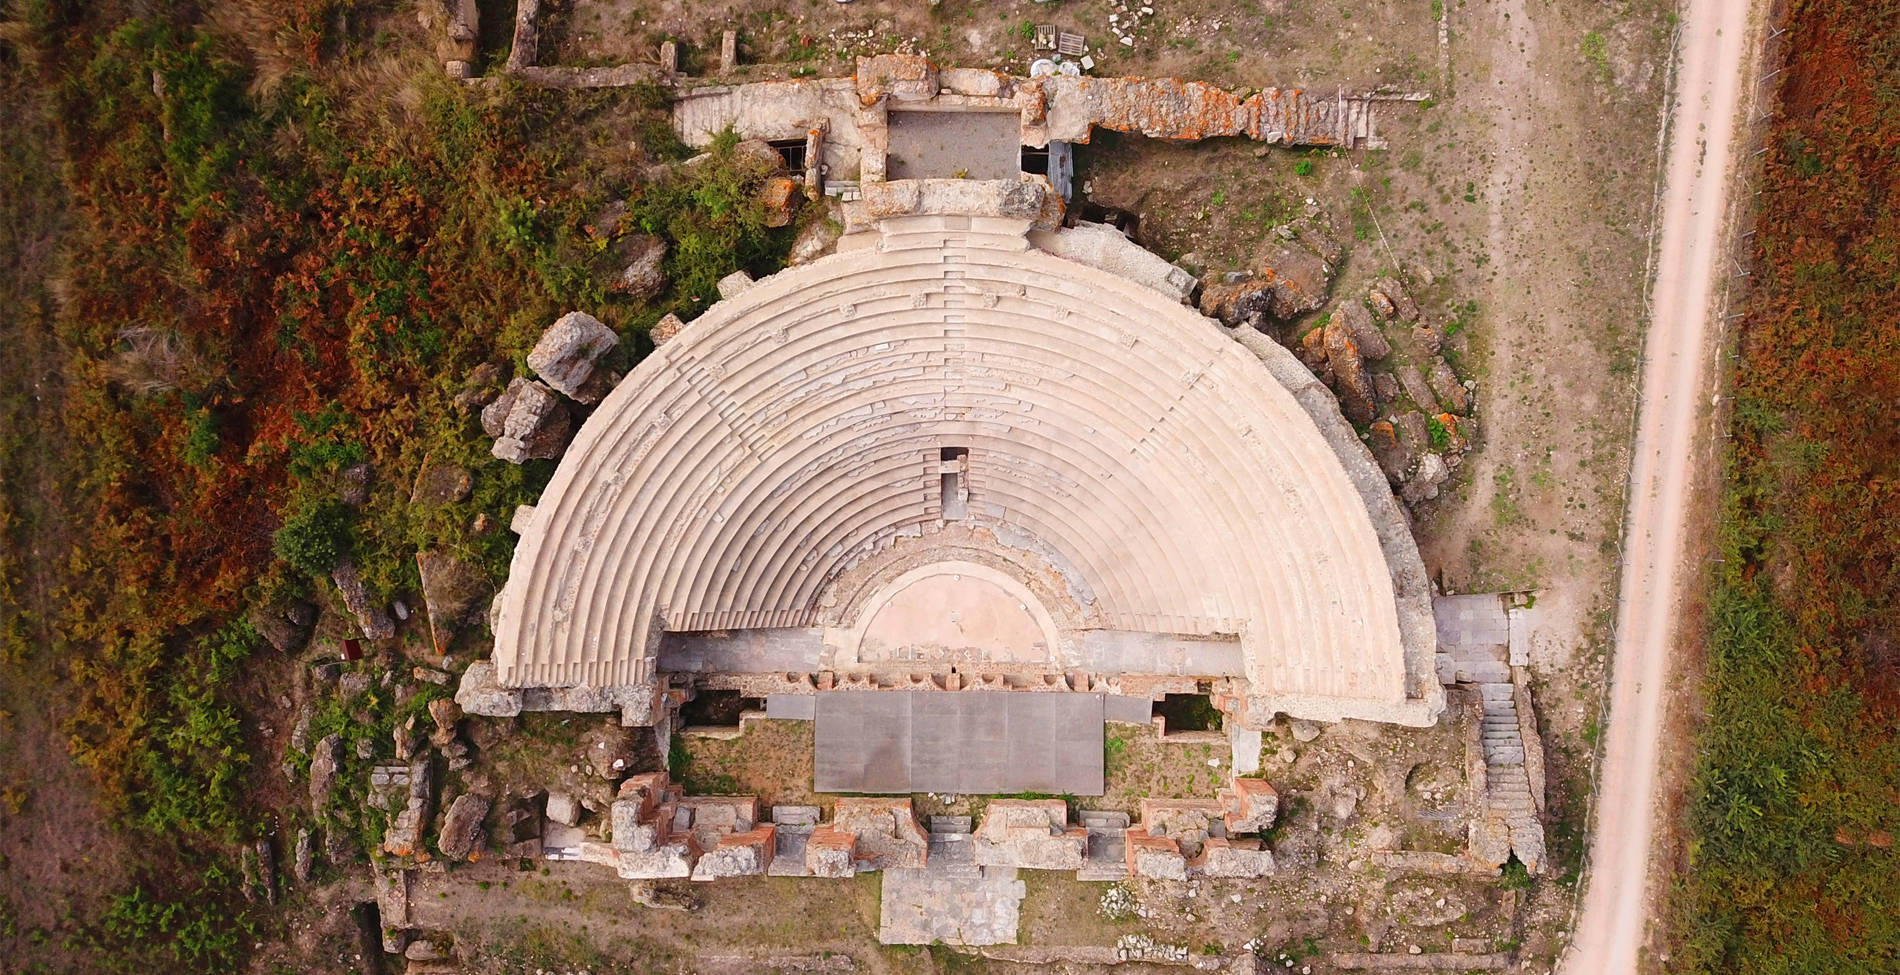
{"x":794,"y":427}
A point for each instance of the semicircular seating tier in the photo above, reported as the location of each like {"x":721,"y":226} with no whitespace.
{"x":792,"y":430}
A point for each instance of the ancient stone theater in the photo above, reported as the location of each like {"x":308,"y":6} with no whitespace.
{"x":960,"y":492}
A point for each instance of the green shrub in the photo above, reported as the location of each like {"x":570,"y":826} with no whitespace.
{"x":315,"y":538}
{"x":711,"y":213}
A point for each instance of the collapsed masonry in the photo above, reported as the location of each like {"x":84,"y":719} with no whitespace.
{"x":657,"y":833}
{"x":843,"y":128}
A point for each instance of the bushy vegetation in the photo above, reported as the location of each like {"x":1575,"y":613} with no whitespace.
{"x":1797,"y":792}
{"x":291,"y":239}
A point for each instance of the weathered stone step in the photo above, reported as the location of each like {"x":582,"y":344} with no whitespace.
{"x":1486,"y":671}
{"x":949,"y":825}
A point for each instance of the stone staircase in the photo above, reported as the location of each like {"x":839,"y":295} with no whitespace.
{"x":1107,"y":846}
{"x":1508,"y":795}
{"x":951,"y":853}
{"x":1474,"y":652}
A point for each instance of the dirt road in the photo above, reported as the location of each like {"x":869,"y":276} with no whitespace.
{"x":1714,"y":75}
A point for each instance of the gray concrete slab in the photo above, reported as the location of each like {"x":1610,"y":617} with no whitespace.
{"x":791,"y":707}
{"x":967,"y":743}
{"x":1128,"y":710}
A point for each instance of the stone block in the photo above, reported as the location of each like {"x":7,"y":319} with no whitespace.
{"x":796,"y":815}
{"x":1029,"y":834}
{"x":735,"y":284}
{"x":901,"y":77}
{"x":563,"y":809}
{"x":672,"y":861}
{"x":1226,"y":858}
{"x":1156,"y":857}
{"x":564,"y":358}
{"x":479,"y":693}
{"x":831,"y":852}
{"x":747,"y":854}
{"x":886,"y":832}
{"x":1249,"y":806}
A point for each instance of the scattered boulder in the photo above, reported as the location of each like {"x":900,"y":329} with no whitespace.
{"x":462,"y":833}
{"x":760,"y":152}
{"x":451,"y":590}
{"x":266,"y":869}
{"x":339,"y":849}
{"x":1381,"y":305}
{"x":1351,"y":380}
{"x":440,"y":484}
{"x":1416,"y":387}
{"x":1291,"y":277}
{"x":300,"y":729}
{"x":1304,"y":730}
{"x":406,"y":740}
{"x":1432,"y":471}
{"x":1460,"y":431}
{"x":375,"y":623}
{"x":780,"y":198}
{"x":610,"y":223}
{"x":816,"y":239}
{"x":1312,"y":353}
{"x":1415,"y":435}
{"x":1451,"y":393}
{"x":284,"y":624}
{"x":528,"y":422}
{"x":1389,"y":291}
{"x":1488,"y":842}
{"x":304,"y":856}
{"x":1386,"y":387}
{"x":1384,"y":442}
{"x":424,"y":950}
{"x":1428,"y":338}
{"x":446,"y":714}
{"x":565,"y":356}
{"x":610,"y":749}
{"x":325,"y":762}
{"x":1357,"y":321}
{"x":353,"y":485}
{"x":480,"y":388}
{"x":644,"y":275}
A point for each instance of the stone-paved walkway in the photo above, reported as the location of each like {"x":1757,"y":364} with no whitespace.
{"x":951,"y":900}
